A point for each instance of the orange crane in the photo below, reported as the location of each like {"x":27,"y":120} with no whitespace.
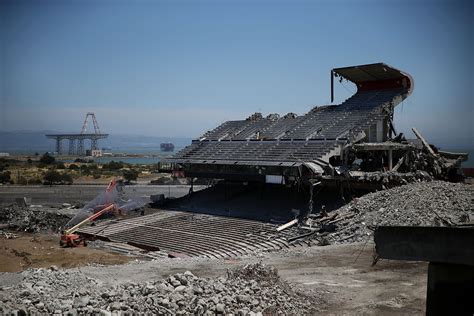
{"x":70,"y":239}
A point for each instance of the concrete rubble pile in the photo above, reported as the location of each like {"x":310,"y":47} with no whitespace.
{"x":439,"y":165}
{"x":422,"y":162}
{"x":23,"y":218}
{"x":435,"y":203}
{"x":254,"y":289}
{"x":392,"y":178}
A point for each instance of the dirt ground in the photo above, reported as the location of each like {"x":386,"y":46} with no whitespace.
{"x":342,"y":277}
{"x":41,"y":251}
{"x":351,"y":285}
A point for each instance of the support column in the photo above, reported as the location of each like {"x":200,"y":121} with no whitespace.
{"x":80,"y":147}
{"x":191,"y":189}
{"x":311,"y":196}
{"x":379,"y":131}
{"x":58,"y":145}
{"x":72,"y":146}
{"x":390,"y":160}
{"x":94,"y":143}
{"x":310,"y":202}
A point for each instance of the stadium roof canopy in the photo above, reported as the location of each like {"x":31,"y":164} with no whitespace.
{"x":370,"y":72}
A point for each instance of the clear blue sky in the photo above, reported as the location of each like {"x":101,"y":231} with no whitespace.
{"x":178,"y":68}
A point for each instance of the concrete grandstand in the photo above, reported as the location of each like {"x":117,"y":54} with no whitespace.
{"x":291,"y":148}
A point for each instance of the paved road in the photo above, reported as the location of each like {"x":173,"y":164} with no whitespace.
{"x":56,"y":195}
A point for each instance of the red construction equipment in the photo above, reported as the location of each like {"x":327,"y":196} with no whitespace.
{"x":69,"y":239}
{"x":112,"y":200}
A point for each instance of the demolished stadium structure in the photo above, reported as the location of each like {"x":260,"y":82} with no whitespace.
{"x":326,"y":144}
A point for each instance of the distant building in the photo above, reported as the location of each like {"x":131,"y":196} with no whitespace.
{"x":94,"y":153}
{"x":4,"y":155}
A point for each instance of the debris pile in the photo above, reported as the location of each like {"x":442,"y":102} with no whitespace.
{"x":7,"y":235}
{"x":22,"y":218}
{"x":255,"y":288}
{"x":411,"y":162}
{"x":441,"y":164}
{"x":255,"y":272}
{"x":391,"y":178}
{"x":435,"y":203}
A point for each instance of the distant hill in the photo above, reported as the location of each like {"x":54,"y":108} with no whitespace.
{"x":35,"y":141}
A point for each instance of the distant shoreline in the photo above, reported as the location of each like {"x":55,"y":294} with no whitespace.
{"x":147,"y":155}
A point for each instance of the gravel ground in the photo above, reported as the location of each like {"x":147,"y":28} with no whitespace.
{"x":253,"y":289}
{"x":435,"y":203}
{"x":32,"y":220}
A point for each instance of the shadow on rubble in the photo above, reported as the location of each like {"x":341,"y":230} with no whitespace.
{"x":257,"y":201}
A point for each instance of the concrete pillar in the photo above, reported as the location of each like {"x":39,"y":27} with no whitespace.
{"x":380,"y":131}
{"x":58,"y":145}
{"x":390,"y":160}
{"x":72,"y":146}
{"x":80,"y":147}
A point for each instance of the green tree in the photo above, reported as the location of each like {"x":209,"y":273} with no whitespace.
{"x":113,"y":165}
{"x":35,"y":181}
{"x":3,"y":164}
{"x":66,"y":178}
{"x":60,"y":165}
{"x":85,"y":171}
{"x":130,"y":175}
{"x":5,"y":177}
{"x":47,"y":159}
{"x":22,"y":181}
{"x":51,"y":177}
{"x":73,"y":167}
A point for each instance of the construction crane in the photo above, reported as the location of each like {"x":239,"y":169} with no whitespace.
{"x":70,"y":239}
{"x":94,"y":121}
